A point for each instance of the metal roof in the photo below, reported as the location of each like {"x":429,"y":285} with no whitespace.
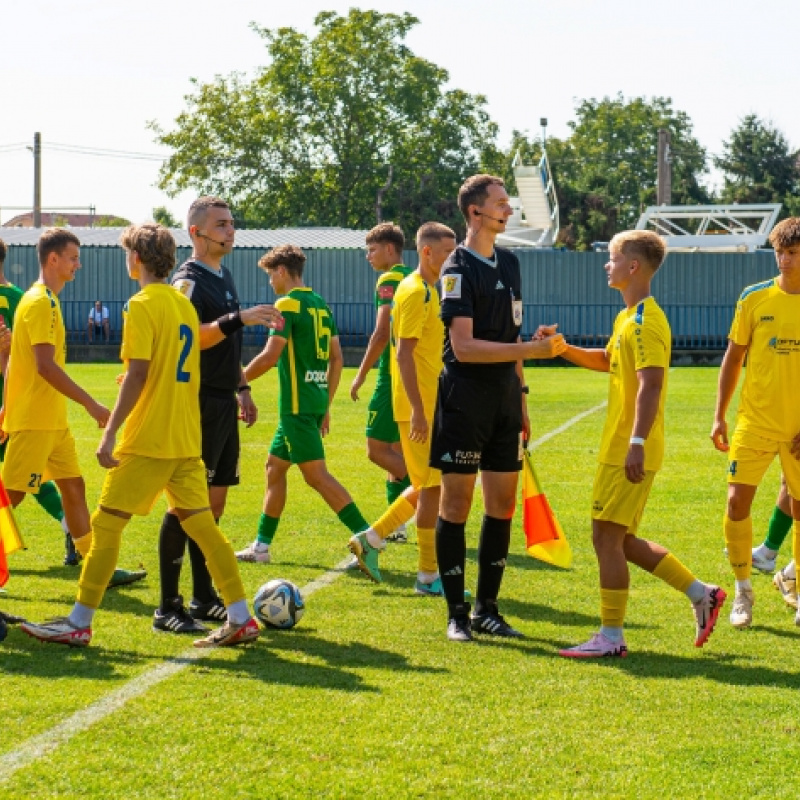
{"x":307,"y":238}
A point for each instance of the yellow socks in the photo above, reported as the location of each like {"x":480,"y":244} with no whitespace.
{"x":613,"y":603}
{"x":426,"y":545}
{"x":673,"y":572}
{"x":796,"y":541}
{"x":84,"y":544}
{"x":739,"y":539}
{"x":396,"y":515}
{"x":218,"y":553}
{"x":105,"y":538}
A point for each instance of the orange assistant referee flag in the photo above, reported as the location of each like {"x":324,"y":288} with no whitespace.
{"x":543,"y":535}
{"x":10,"y":540}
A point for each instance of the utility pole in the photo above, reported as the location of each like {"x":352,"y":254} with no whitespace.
{"x":37,"y":180}
{"x":664,"y":179}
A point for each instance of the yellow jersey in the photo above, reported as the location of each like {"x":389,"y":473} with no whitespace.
{"x":31,"y":403}
{"x":161,"y":326}
{"x":642,"y":338}
{"x":415,"y":315}
{"x":767,"y":322}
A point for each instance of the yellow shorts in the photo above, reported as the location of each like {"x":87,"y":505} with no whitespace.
{"x":750,"y":456}
{"x":136,"y":484}
{"x":616,"y":499}
{"x":35,"y":457}
{"x":417,"y":455}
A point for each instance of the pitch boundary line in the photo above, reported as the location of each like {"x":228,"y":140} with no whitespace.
{"x":44,"y":743}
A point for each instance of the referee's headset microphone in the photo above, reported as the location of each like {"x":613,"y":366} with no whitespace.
{"x":481,"y":214}
{"x":203,"y":236}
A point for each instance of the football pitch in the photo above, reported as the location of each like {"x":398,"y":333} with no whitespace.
{"x":366,"y":698}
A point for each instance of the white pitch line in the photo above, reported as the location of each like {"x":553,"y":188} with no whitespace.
{"x":566,"y":426}
{"x":38,"y":746}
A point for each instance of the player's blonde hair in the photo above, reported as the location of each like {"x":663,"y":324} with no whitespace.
{"x":432,"y":232}
{"x":785,"y":234}
{"x":647,"y":246}
{"x":154,"y":245}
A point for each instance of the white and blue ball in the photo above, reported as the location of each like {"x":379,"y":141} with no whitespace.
{"x":278,"y":604}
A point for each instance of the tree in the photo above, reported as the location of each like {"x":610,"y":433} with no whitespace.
{"x":759,"y":166}
{"x":110,"y":221}
{"x":605,"y":171}
{"x":340,"y":129}
{"x":163,"y":216}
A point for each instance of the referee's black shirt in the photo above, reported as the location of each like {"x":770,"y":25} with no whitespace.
{"x":213,"y":295}
{"x":489,"y":295}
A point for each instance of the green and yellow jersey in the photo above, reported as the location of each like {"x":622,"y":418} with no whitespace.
{"x":308,"y":327}
{"x":10,"y":296}
{"x":385,"y":290}
{"x":31,"y":403}
{"x":415,"y":315}
{"x":642,"y":338}
{"x":767,"y":322}
{"x":160,"y":326}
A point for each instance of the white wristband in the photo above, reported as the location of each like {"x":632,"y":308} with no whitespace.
{"x":637,"y":440}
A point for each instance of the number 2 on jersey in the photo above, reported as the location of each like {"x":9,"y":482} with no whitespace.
{"x":186,"y":337}
{"x":322,"y":333}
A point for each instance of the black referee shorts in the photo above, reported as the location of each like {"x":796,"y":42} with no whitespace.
{"x":219,"y":417}
{"x":477,"y":424}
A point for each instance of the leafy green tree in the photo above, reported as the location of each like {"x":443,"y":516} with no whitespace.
{"x":605,"y":171}
{"x":110,"y":221}
{"x":759,"y":166}
{"x":342,"y":128}
{"x":163,"y":216}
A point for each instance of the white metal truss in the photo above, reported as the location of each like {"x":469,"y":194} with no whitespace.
{"x":537,"y":202}
{"x":722,"y":228}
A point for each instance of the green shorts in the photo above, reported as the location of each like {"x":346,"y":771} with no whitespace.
{"x":380,"y":422}
{"x":298,"y":439}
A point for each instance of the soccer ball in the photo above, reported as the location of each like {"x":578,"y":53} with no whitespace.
{"x":278,"y":604}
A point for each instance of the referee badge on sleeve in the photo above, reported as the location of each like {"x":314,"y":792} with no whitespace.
{"x":516,"y":312}
{"x":451,"y":287}
{"x":185,"y":286}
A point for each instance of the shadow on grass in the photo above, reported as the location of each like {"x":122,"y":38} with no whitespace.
{"x":720,"y":667}
{"x":22,"y":655}
{"x":275,"y":659}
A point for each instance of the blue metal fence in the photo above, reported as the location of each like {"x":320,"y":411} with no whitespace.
{"x":698,"y":291}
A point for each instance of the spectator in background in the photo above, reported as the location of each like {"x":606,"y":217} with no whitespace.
{"x":98,"y":323}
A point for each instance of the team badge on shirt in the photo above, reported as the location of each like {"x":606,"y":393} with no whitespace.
{"x":451,"y":287}
{"x":386,"y":292}
{"x":185,"y":286}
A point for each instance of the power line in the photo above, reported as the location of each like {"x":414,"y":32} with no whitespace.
{"x":104,"y":152}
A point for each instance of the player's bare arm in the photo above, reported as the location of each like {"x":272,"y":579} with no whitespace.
{"x":335,"y":367}
{"x":408,"y":374}
{"x":592,"y":358}
{"x":648,"y":398}
{"x":130,"y":391}
{"x":211,"y":333}
{"x":61,"y":382}
{"x":248,"y":412}
{"x":468,"y":349}
{"x":728,"y":378}
{"x":376,"y":346}
{"x":266,"y":359}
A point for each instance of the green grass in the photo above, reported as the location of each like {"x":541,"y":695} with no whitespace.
{"x":367,"y":699}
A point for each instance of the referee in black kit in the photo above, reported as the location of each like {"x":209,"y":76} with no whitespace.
{"x":224,"y":399}
{"x":481,"y":415}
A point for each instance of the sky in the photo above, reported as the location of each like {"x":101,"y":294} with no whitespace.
{"x":92,"y":74}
